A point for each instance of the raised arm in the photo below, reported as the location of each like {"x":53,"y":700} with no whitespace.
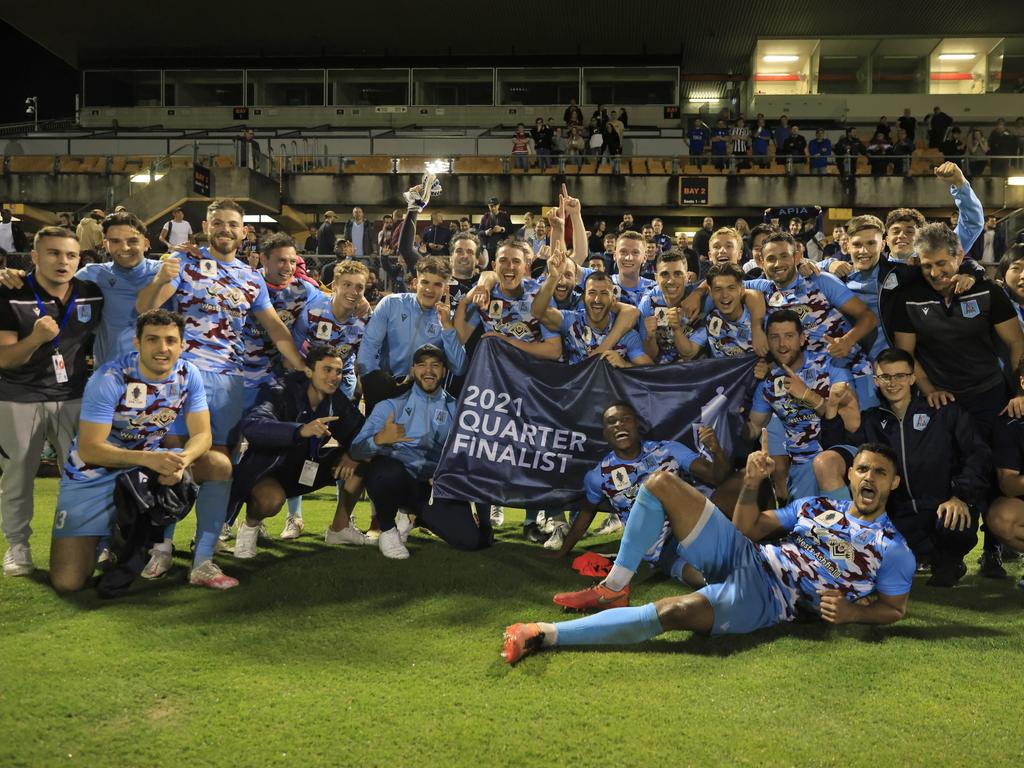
{"x":164,"y":283}
{"x":747,"y":516}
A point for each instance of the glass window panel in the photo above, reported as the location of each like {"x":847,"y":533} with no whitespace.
{"x":453,"y":86}
{"x":284,"y":88}
{"x":202,"y":87}
{"x":366,"y":87}
{"x":127,"y":88}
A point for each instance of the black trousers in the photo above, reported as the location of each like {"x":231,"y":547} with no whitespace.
{"x":927,"y":537}
{"x":391,"y":487}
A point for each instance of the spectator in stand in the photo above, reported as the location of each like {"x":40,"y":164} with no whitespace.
{"x":702,"y":239}
{"x":658,"y":235}
{"x":64,"y":220}
{"x":90,"y":233}
{"x":720,"y":145}
{"x":359,"y":232}
{"x":542,"y":136}
{"x":1018,"y":132}
{"x":976,"y":153}
{"x":176,"y":231}
{"x":311,"y":241}
{"x":743,"y":228}
{"x":521,"y":149}
{"x":908,"y":123}
{"x":741,"y":144}
{"x":608,"y":254}
{"x":495,"y":226}
{"x":627,"y":224}
{"x":692,"y":259}
{"x":624,"y":117}
{"x":12,"y":238}
{"x":697,"y":140}
{"x":795,"y":149}
{"x":989,"y":248}
{"x":387,"y":228}
{"x":572,"y":115}
{"x":527,"y":229}
{"x":557,"y":144}
{"x":781,"y":134}
{"x":325,"y":236}
{"x":1002,"y":146}
{"x":820,"y":150}
{"x":953,"y":149}
{"x":878,"y":154}
{"x":595,"y":139}
{"x":614,"y":132}
{"x":601,"y":116}
{"x":595,"y":242}
{"x":539,"y":237}
{"x":902,"y":153}
{"x":762,"y":138}
{"x":437,"y":236}
{"x":884,"y":128}
{"x":938,"y":123}
{"x":847,"y":150}
{"x":838,"y":248}
{"x":575,"y":146}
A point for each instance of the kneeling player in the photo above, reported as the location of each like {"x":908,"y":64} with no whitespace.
{"x":620,"y":475}
{"x":127,"y":407}
{"x":841,"y":559}
{"x":298,"y":436}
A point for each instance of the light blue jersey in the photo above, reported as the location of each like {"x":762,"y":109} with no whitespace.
{"x":723,"y":337}
{"x":580,"y":337}
{"x":262,"y":359}
{"x":400,"y":326}
{"x":511,"y":315}
{"x":120,"y":288}
{"x":316,"y":324}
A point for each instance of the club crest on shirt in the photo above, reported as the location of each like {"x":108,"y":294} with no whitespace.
{"x":620,"y":478}
{"x":970,"y":308}
{"x":495,"y":309}
{"x":323,"y":330}
{"x":891,"y":282}
{"x":84,"y":312}
{"x":715,"y":326}
{"x":921,"y":421}
{"x":586,"y":334}
{"x":777,"y":299}
{"x":780,"y":386}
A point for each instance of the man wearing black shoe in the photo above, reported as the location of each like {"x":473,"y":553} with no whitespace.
{"x":944,"y":464}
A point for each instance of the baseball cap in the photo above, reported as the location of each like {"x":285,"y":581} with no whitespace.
{"x":330,"y":215}
{"x":492,"y":201}
{"x":429,"y":350}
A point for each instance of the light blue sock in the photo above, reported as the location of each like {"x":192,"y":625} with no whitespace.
{"x":616,"y":626}
{"x":211,"y":509}
{"x":295,"y":507}
{"x":842,"y":493}
{"x":646,"y":519}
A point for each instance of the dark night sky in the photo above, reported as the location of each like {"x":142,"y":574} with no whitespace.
{"x":43,"y":75}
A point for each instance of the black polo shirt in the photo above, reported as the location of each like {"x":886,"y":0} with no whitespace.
{"x":1008,"y":443}
{"x":956,"y":343}
{"x":36,"y":382}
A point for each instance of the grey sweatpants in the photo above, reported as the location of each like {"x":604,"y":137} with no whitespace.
{"x":23,"y":429}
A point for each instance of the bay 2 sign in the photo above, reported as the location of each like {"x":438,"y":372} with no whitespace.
{"x":693,"y":190}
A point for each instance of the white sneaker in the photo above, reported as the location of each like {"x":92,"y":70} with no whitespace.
{"x":497,"y":516}
{"x":293,"y":528}
{"x":348,"y":535}
{"x":612,"y":525}
{"x":18,"y":560}
{"x":226,"y":533}
{"x":391,"y":546}
{"x":208,"y":574}
{"x":159,"y":564}
{"x":246,"y":540}
{"x":404,"y":524}
{"x":557,"y":537}
{"x":545,"y":523}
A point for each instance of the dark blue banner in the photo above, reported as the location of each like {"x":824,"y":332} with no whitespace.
{"x":528,"y":430}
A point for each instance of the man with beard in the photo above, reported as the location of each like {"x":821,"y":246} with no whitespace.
{"x":620,"y":475}
{"x":944,"y":464}
{"x":290,"y":452}
{"x":215,"y":292}
{"x":128,"y":405}
{"x":402,"y":439}
{"x":584,"y":328}
{"x":843,"y":560}
{"x":797,"y":391}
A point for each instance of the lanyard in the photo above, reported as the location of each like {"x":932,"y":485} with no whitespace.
{"x":42,"y":309}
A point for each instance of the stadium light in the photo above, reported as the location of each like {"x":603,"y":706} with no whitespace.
{"x":957,"y":56}
{"x":780,"y":58}
{"x":1015,"y":181}
{"x":145,"y":178}
{"x":703,"y":99}
{"x":32,"y":108}
{"x":437,"y":167}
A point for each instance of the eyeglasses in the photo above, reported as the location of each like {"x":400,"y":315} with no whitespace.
{"x":890,"y":378}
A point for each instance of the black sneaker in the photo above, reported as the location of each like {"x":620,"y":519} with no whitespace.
{"x":532,"y":532}
{"x":947,"y":574}
{"x":991,"y":564}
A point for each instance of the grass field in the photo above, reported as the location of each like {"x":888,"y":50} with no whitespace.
{"x":331,"y":656}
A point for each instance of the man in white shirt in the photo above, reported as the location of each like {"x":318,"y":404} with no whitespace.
{"x":176,"y":231}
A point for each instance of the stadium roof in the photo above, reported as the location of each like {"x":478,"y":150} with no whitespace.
{"x":716,"y":36}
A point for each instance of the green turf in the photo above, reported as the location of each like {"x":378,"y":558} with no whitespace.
{"x":330,"y":656}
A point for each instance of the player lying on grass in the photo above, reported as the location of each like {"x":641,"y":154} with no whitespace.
{"x":841,"y":559}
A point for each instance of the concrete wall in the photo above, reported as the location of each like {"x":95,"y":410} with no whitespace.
{"x":865,"y":108}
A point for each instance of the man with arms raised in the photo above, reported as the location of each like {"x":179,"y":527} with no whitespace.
{"x":843,"y":560}
{"x":215,"y":292}
{"x":129,"y":404}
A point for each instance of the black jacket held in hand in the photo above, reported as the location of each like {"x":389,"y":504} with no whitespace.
{"x":940,"y":452}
